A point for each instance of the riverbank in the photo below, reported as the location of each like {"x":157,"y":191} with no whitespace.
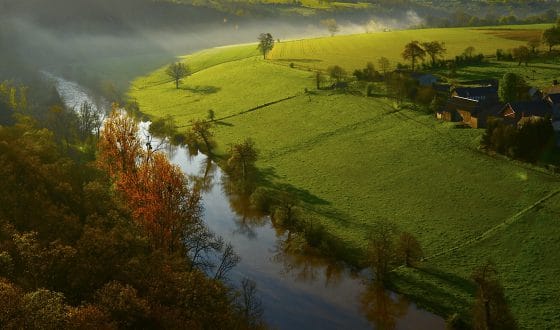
{"x":352,"y":160}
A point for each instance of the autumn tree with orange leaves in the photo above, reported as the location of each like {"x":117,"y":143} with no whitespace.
{"x":119,"y":146}
{"x":162,"y":202}
{"x":155,"y":190}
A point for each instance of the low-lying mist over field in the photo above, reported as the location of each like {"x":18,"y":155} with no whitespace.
{"x":91,"y":55}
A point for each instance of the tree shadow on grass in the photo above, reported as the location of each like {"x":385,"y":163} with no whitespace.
{"x":301,"y":60}
{"x":205,"y":90}
{"x":223,"y":123}
{"x":433,"y":296}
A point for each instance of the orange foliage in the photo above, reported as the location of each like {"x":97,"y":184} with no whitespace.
{"x":161,"y":201}
{"x":156,"y":191}
{"x":119,"y":146}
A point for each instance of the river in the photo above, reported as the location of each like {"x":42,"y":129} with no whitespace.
{"x":297,"y":291}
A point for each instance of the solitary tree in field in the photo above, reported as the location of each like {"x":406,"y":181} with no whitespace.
{"x":551,"y":37}
{"x":266,"y":43}
{"x":177,"y":71}
{"x":413,"y":51}
{"x":331,"y":25}
{"x":490,"y":310}
{"x":434,"y":49}
{"x":521,"y":54}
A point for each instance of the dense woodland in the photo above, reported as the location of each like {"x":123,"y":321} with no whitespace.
{"x":114,"y":243}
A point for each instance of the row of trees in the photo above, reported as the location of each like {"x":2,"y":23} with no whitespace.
{"x":415,"y":51}
{"x":388,"y":248}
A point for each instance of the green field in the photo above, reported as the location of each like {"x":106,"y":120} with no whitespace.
{"x":357,"y":159}
{"x":354,"y":51}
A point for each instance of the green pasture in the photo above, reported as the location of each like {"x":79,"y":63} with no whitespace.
{"x":535,"y":74}
{"x":355,"y":159}
{"x":354,"y":51}
{"x":526,"y":256}
{"x":233,"y":82}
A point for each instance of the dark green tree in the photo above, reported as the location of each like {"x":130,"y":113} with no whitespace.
{"x":434,"y":49}
{"x":521,"y":54}
{"x":177,"y":71}
{"x":512,"y":88}
{"x":413,"y":51}
{"x":266,"y":43}
{"x":551,"y":37}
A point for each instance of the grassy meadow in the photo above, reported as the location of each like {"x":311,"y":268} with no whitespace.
{"x":354,"y":159}
{"x":354,"y":51}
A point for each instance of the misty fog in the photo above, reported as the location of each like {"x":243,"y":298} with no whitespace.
{"x":120,"y":55}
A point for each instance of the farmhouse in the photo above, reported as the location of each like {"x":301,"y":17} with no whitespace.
{"x":486,"y":94}
{"x":513,"y":112}
{"x":471,"y":112}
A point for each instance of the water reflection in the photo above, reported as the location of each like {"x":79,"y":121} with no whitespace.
{"x":299,"y":289}
{"x":381,"y":307}
{"x":203,"y":182}
{"x":303,"y":262}
{"x":247,"y":219}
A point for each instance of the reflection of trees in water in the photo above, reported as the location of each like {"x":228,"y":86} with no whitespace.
{"x":381,"y":308}
{"x":203,"y":182}
{"x":240,"y":203}
{"x":304,"y":262}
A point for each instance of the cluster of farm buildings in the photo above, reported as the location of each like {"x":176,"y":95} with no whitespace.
{"x":474,"y":105}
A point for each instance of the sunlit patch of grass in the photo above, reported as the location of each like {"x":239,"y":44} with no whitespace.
{"x":354,"y":51}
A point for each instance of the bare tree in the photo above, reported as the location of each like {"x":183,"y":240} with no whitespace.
{"x":250,"y":304}
{"x":228,"y":260}
{"x":177,"y":71}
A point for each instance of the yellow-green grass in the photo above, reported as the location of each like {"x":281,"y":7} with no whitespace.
{"x":233,"y":81}
{"x":535,"y":74}
{"x":366,"y":161}
{"x":526,"y":257}
{"x":354,"y":51}
{"x":356,"y":159}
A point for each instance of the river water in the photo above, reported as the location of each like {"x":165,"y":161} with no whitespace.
{"x":298,"y":291}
